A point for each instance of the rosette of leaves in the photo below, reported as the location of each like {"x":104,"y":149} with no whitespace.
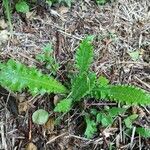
{"x":84,"y":81}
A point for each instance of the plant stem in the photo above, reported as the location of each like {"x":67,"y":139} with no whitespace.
{"x":8,"y":14}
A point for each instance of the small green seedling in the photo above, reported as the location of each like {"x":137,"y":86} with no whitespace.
{"x":134,"y":55}
{"x":48,"y":59}
{"x":22,"y":6}
{"x":104,"y":118}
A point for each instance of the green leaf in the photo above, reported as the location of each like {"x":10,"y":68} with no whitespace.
{"x":63,"y":106}
{"x":107,"y":120}
{"x":134,"y":55}
{"x":129,"y":120}
{"x":90,"y":128}
{"x":101,"y":88}
{"x":115,"y":111}
{"x":82,"y":85}
{"x":144,"y":132}
{"x":1,"y":65}
{"x":41,"y":57}
{"x":128,"y":94}
{"x":99,"y":117}
{"x":48,"y":48}
{"x":104,"y":119}
{"x":40,"y":116}
{"x":93,"y":112}
{"x":84,"y":55}
{"x":22,"y":6}
{"x":49,"y":2}
{"x":16,"y":77}
{"x":103,"y":81}
{"x":47,"y":57}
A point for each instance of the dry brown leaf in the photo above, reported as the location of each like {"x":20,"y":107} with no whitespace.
{"x":21,"y":97}
{"x":4,"y":36}
{"x":63,"y":10}
{"x":139,"y":111}
{"x":49,"y":126}
{"x":30,"y":15}
{"x":23,"y":107}
{"x":3,"y":24}
{"x":56,"y":99}
{"x":109,"y":131}
{"x":31,"y":146}
{"x":15,"y":41}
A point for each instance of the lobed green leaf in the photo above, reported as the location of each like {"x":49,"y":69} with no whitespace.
{"x":16,"y":77}
{"x":130,"y":119}
{"x":82,"y":85}
{"x":63,"y":106}
{"x":104,"y":119}
{"x":84,"y":55}
{"x":90,"y":127}
{"x":129,"y":95}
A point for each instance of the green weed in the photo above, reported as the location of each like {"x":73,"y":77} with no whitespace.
{"x":84,"y":85}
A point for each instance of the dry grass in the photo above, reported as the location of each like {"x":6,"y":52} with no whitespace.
{"x":120,"y":27}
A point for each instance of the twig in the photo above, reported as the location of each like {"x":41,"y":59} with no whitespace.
{"x":55,"y":138}
{"x":132,"y":137}
{"x":142,"y":82}
{"x":140,"y":145}
{"x":101,"y":104}
{"x":73,"y":36}
{"x":4,"y":144}
{"x":133,"y":62}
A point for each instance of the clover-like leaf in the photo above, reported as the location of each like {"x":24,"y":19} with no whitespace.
{"x":40,"y":116}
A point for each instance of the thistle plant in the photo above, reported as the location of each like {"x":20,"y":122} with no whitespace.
{"x":15,"y":76}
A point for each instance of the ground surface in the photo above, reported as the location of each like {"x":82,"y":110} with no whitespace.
{"x":120,"y":27}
